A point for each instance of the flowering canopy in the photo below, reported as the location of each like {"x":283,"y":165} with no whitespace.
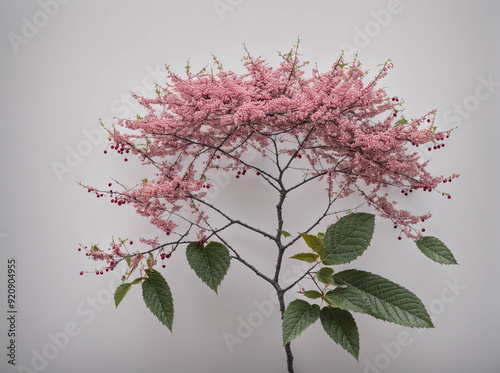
{"x":347,"y":131}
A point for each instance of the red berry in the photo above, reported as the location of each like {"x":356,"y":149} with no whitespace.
{"x":449,"y":197}
{"x":101,"y":272}
{"x":258,"y":173}
{"x":125,"y":159}
{"x":79,"y":249}
{"x":395,"y":226}
{"x":299,"y":156}
{"x":110,"y":184}
{"x":237,"y":176}
{"x":429,"y":149}
{"x":399,"y":237}
{"x":423,"y":229}
{"x":168,"y":255}
{"x":96,"y":272}
{"x":394,"y":115}
{"x":81,"y":273}
{"x":131,"y":242}
{"x":105,"y":152}
{"x":428,"y":120}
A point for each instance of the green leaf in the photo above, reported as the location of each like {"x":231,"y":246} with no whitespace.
{"x":210,"y":263}
{"x":324,"y":275}
{"x":315,"y":243}
{"x":127,"y":259}
{"x":306,"y":257}
{"x":150,"y":260}
{"x":120,"y":292}
{"x":341,"y":327}
{"x":137,"y":280}
{"x":158,"y":298}
{"x":299,"y":315}
{"x":433,"y":248}
{"x":381,"y":298}
{"x":401,"y":121}
{"x":313,"y":294}
{"x":284,"y":233}
{"x":348,"y":238}
{"x":144,"y":181}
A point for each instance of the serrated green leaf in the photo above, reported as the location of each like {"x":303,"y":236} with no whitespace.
{"x":379,"y":297}
{"x":312,"y":294}
{"x":120,"y":292}
{"x":306,"y":257}
{"x":321,"y":235}
{"x":324,"y":275}
{"x":436,"y":250}
{"x":210,"y":262}
{"x":341,"y":327}
{"x":127,"y":259}
{"x":299,"y":315}
{"x":315,"y":243}
{"x":158,"y":298}
{"x":401,"y":121}
{"x":137,"y":280}
{"x":284,"y":233}
{"x":348,"y":238}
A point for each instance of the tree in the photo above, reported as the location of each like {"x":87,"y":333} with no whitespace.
{"x":331,"y":128}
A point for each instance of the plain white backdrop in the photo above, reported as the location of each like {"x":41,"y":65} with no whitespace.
{"x":67,"y":64}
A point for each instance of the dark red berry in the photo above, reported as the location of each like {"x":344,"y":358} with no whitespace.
{"x":163,"y":266}
{"x":168,"y":255}
{"x":131,"y":242}
{"x":399,"y":238}
{"x":105,"y":152}
{"x":81,"y":273}
{"x":423,"y":229}
{"x":125,"y":159}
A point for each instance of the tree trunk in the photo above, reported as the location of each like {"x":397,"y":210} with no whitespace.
{"x":288,"y":350}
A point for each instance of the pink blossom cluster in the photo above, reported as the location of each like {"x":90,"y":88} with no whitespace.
{"x":343,"y":128}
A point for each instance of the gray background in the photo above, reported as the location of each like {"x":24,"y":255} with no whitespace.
{"x":79,"y":64}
